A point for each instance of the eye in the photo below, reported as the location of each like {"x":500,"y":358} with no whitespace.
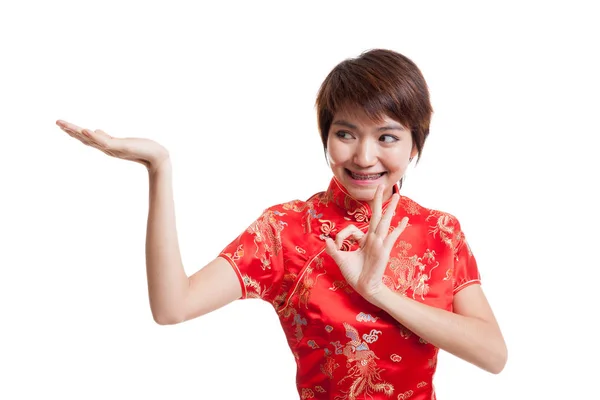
{"x":343,"y":135}
{"x":388,"y":139}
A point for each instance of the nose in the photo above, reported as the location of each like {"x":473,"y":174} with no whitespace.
{"x":365,"y":154}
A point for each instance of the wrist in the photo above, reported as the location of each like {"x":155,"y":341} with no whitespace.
{"x":164,"y":163}
{"x":380,"y":297}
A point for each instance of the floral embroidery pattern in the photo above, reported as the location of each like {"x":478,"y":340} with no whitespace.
{"x":327,"y":227}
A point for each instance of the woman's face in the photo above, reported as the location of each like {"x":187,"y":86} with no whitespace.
{"x":364,"y":154}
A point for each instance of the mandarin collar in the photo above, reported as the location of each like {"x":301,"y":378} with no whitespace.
{"x":353,"y":209}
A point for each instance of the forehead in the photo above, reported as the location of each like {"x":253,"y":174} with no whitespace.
{"x":357,"y":115}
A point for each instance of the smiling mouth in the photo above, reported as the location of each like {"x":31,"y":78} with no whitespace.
{"x":364,"y":177}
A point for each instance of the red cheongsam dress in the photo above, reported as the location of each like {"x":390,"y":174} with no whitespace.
{"x":345,"y":347}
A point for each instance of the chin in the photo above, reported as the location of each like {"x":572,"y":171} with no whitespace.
{"x":362,"y":194}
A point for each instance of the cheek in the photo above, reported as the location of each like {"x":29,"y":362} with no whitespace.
{"x":397,"y":161}
{"x":335,"y":154}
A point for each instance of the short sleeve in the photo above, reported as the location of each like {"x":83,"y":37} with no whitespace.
{"x":465,"y":271}
{"x":256,"y":257}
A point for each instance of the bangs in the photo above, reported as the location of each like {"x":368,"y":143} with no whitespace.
{"x":354,"y":88}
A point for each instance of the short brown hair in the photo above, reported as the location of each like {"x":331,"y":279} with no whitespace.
{"x":382,"y":82}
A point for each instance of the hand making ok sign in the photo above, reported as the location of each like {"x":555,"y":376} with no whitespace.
{"x":363,"y":268}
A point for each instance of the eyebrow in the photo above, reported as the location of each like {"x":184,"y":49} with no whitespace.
{"x":382,"y":128}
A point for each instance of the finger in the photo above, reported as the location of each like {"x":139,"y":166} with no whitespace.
{"x":74,"y":131}
{"x":392,"y":238}
{"x":376,"y":211}
{"x":331,"y":249}
{"x":68,"y":126}
{"x":384,"y":225}
{"x":349,"y":231}
{"x":99,"y":137}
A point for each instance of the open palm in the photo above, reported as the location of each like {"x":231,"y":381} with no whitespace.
{"x":143,"y":151}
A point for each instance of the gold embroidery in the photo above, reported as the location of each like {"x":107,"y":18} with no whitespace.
{"x":409,"y":273}
{"x":403,"y":247}
{"x":239,"y":253}
{"x":304,"y":286}
{"x":338,"y":285}
{"x":267,"y":230}
{"x":295,"y":205}
{"x":327,"y":227}
{"x":362,"y":369}
{"x":347,"y":244}
{"x":326,"y":197}
{"x":256,"y":291}
{"x":405,"y":395}
{"x":319,"y":389}
{"x":307,"y":284}
{"x":448,"y":276}
{"x":361,"y":214}
{"x":409,"y":206}
{"x":329,"y":366}
{"x":395,"y":358}
{"x":444,"y":225}
{"x":319,"y":262}
{"x":300,"y":250}
{"x":307,"y":394}
{"x":421,"y":384}
{"x":287,"y":281}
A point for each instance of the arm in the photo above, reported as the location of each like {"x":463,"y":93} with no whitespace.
{"x":470,"y":332}
{"x":173,"y":296}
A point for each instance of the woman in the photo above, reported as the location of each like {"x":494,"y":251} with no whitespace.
{"x":367,"y":283}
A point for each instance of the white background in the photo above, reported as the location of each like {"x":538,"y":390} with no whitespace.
{"x":229,"y":89}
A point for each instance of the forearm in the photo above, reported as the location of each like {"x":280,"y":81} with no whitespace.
{"x":167,"y":280}
{"x":472,"y":339}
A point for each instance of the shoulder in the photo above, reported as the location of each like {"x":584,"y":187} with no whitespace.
{"x":440,"y":224}
{"x":297,"y":206}
{"x":413,"y":209}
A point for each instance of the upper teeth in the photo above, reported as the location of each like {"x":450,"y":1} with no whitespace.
{"x":363,"y":176}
